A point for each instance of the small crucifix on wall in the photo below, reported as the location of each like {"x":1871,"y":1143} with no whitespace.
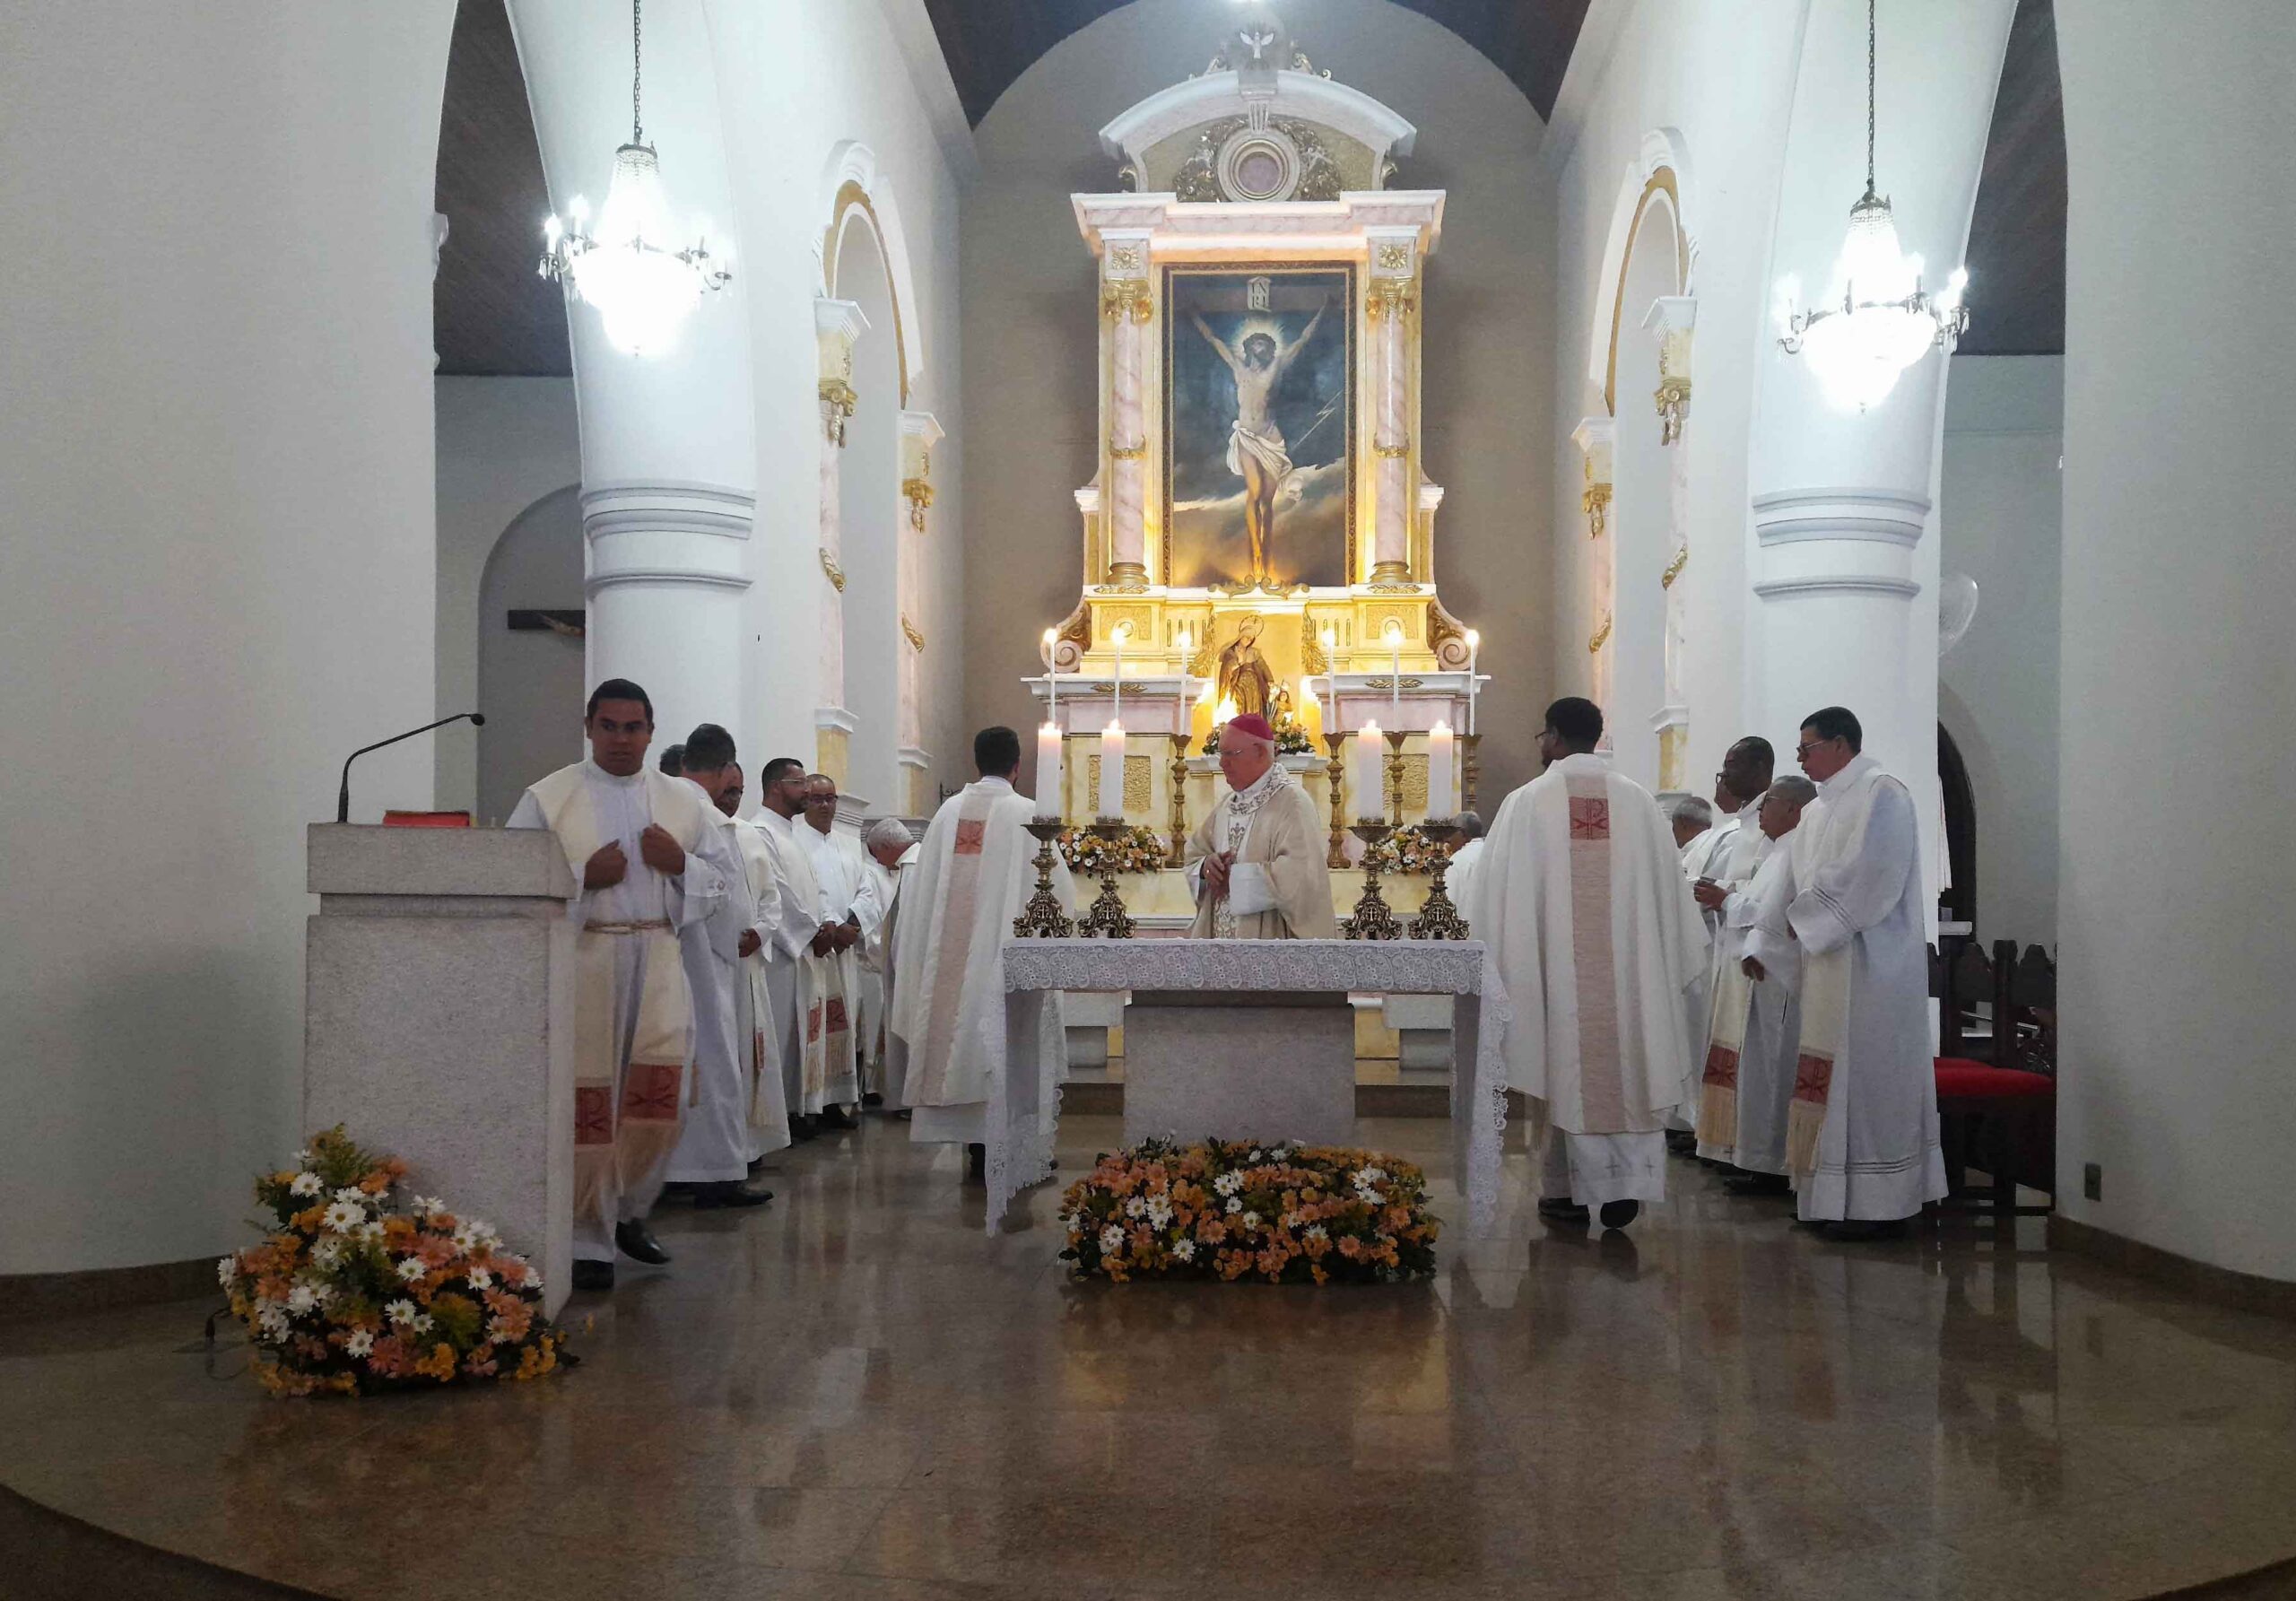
{"x":572,"y":623}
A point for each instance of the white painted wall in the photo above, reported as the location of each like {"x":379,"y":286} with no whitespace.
{"x":2178,"y":721}
{"x":503,"y":443}
{"x":1998,"y":521}
{"x":215,"y":438}
{"x":1031,"y":350}
{"x":529,"y":680}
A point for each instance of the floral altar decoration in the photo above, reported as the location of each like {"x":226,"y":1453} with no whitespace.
{"x":1223,"y":1210}
{"x":1137,"y":850}
{"x":1406,"y":850}
{"x":351,"y":1293}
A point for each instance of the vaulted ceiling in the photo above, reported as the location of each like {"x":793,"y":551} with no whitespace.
{"x":494,"y":317}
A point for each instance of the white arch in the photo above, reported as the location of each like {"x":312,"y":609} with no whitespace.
{"x":1659,"y":175}
{"x":853,"y":185}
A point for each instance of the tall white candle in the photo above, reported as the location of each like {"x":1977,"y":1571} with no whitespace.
{"x":1051,"y":676}
{"x":1116,"y":701}
{"x":1474,"y":654}
{"x":1048,"y":800}
{"x":1112,"y":770}
{"x":1441,"y":795}
{"x":1394,"y":681}
{"x":1369,"y":777}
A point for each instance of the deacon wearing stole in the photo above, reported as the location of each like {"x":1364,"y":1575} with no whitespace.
{"x":958,"y":902}
{"x":1256,"y":866}
{"x":1757,"y":1023}
{"x":836,"y":860}
{"x":636,"y":841}
{"x":756,"y":1024}
{"x":1862,"y":1127}
{"x":795,"y":969}
{"x":1594,"y":933}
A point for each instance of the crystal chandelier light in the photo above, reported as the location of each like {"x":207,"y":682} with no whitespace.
{"x":642,"y":288}
{"x":1876,"y":320}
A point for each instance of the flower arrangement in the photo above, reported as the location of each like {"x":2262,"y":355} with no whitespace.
{"x":1406,"y":850}
{"x":351,"y":1293}
{"x":1291,"y":739}
{"x":1220,"y":1210}
{"x":1137,"y":850}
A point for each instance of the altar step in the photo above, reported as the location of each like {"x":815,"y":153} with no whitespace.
{"x":1381,"y":1091}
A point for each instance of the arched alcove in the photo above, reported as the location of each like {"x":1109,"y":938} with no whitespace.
{"x":530,"y":674}
{"x":870,"y":511}
{"x":1642,"y":532}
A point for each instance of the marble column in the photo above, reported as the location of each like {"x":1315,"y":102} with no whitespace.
{"x":837,"y":324}
{"x":1595,"y":436}
{"x":1388,"y":306}
{"x":1128,"y":306}
{"x":1670,"y":321}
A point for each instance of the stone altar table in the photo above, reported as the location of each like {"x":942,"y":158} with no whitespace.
{"x":439,"y":1020}
{"x":1023,"y":1101}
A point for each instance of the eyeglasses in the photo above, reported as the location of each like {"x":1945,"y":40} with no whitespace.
{"x":1801,"y":751}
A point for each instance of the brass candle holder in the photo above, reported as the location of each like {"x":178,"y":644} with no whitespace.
{"x":1395,"y":736}
{"x":1178,"y":854}
{"x":1106,"y":918}
{"x":1373,"y":918}
{"x":1439,"y":919}
{"x":1335,"y":776}
{"x":1041,"y":918}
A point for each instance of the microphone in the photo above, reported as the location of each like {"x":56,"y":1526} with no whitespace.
{"x":342,"y":794}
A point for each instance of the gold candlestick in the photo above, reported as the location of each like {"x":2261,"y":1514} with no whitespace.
{"x":1373,"y":918}
{"x":1395,"y":736}
{"x":1041,"y":918}
{"x":1439,"y":919}
{"x":1178,"y":856}
{"x":1472,"y":764}
{"x":1106,"y":917}
{"x":1333,"y":777}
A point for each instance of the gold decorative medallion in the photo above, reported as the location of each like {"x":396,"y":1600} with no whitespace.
{"x":836,"y":573}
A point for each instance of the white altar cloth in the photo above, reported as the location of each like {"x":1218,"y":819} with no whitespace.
{"x":1023,"y":1107}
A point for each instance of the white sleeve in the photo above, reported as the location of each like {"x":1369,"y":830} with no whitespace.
{"x":526,"y":813}
{"x":1195,"y":879}
{"x":1251,"y":889}
{"x":697,"y":893}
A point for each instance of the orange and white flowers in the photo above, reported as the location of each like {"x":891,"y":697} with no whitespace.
{"x":348,"y":1295}
{"x":1220,"y":1210}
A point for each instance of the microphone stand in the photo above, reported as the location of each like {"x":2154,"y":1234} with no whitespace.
{"x":343,"y":792}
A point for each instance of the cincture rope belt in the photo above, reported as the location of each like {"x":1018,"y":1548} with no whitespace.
{"x":653,"y":926}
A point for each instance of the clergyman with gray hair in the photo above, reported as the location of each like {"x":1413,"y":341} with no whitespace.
{"x":1464,"y":854}
{"x":890,"y":846}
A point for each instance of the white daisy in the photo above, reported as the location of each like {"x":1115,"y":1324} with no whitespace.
{"x":1160,"y":1213}
{"x":1185,"y":1249}
{"x":1135,"y":1207}
{"x":1111,"y":1240}
{"x":1234,"y":1205}
{"x":272,"y":1319}
{"x":411,"y":1268}
{"x":302,"y":1298}
{"x":400,"y":1311}
{"x":227,"y":1269}
{"x":354,"y":1194}
{"x":372,"y":1229}
{"x":427,"y":1204}
{"x":359,"y":1342}
{"x":327,"y":1252}
{"x":423,"y":1324}
{"x":1251,"y":1220}
{"x":480,"y":1279}
{"x":303,"y":1158}
{"x":1257,"y":1155}
{"x":340,"y":1215}
{"x":306,"y":1184}
{"x":1228,"y":1184}
{"x":1317,"y":1232}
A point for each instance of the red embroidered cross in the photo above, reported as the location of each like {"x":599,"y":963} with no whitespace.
{"x":970,"y":836}
{"x":1813,"y":1077}
{"x":593,"y":1115}
{"x":1590,"y":817}
{"x":812,"y":1025}
{"x":651,"y":1095}
{"x":837,"y":1022}
{"x":1722,"y":1066}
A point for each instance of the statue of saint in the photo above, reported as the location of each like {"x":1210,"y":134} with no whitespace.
{"x":1256,"y":447}
{"x":1244,"y":675}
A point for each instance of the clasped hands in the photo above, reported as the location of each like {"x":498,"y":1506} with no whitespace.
{"x":1218,"y":868}
{"x":657,"y":847}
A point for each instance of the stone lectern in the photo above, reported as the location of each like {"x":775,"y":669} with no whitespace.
{"x":439,"y":1020}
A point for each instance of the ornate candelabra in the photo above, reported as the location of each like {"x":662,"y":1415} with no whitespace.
{"x":1106,"y":918}
{"x":1439,"y":919}
{"x":1373,"y":918}
{"x":1472,"y":768}
{"x":1041,"y":918}
{"x":1395,"y":736}
{"x":1178,"y":856}
{"x":1334,"y":776}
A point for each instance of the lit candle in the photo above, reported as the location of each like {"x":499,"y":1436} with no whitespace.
{"x":1225,"y":712}
{"x":1331,"y":664}
{"x":1474,"y":652}
{"x":1395,"y":682}
{"x":1442,"y":800}
{"x":1112,"y":770}
{"x":1311,"y":710}
{"x":1048,"y":803}
{"x":1051,"y":676}
{"x":1369,"y":776}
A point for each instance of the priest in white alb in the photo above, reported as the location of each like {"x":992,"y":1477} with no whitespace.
{"x":796,"y":956}
{"x":1748,"y":1076}
{"x":1861,"y":1127}
{"x":836,"y":860}
{"x":890,"y":847}
{"x":756,"y":1025}
{"x":1721,"y":861}
{"x":1256,"y":866}
{"x":958,"y":902}
{"x":640,"y":845}
{"x":1592,"y":931}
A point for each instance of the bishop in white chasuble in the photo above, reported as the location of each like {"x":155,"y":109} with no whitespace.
{"x":1256,"y":866}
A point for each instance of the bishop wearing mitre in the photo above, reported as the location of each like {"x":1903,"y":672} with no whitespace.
{"x":1256,"y":866}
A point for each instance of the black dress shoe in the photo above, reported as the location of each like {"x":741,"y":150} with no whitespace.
{"x":593,"y":1275}
{"x":872,"y":1099}
{"x":800,"y":1130}
{"x":1563,"y":1209}
{"x":1681,"y":1142}
{"x":976,"y":1164}
{"x":837,"y":1117}
{"x":1758,"y":1184}
{"x":637,"y":1241}
{"x":711,"y":1197}
{"x":1617,"y":1214}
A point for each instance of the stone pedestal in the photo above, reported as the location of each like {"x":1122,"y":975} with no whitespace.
{"x":1091,"y":1020}
{"x":440,"y":1019}
{"x":1253,"y":1066}
{"x":1423,"y":1023}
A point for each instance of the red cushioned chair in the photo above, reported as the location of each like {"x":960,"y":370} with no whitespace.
{"x":1999,"y":1114}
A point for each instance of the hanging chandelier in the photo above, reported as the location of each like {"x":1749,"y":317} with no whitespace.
{"x":643,"y":289}
{"x":1876,"y":320}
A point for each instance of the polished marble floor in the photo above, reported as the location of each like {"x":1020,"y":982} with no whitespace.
{"x":857,"y":1396}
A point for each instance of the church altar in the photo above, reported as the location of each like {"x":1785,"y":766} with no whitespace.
{"x":1025,"y":1098}
{"x":1259,"y":535}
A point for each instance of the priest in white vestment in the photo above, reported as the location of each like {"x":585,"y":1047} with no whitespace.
{"x":1464,"y":854}
{"x":713,"y":1152}
{"x":1256,"y":864}
{"x":836,"y":863}
{"x":757,"y":1026}
{"x":890,"y":847}
{"x":1861,"y":1127}
{"x":1748,"y":1076}
{"x":1593,"y":932}
{"x":796,"y":956}
{"x":972,"y":875}
{"x":1718,"y":862}
{"x":641,"y":846}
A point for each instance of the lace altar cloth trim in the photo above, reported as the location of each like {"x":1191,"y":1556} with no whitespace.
{"x":1021,"y":1126}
